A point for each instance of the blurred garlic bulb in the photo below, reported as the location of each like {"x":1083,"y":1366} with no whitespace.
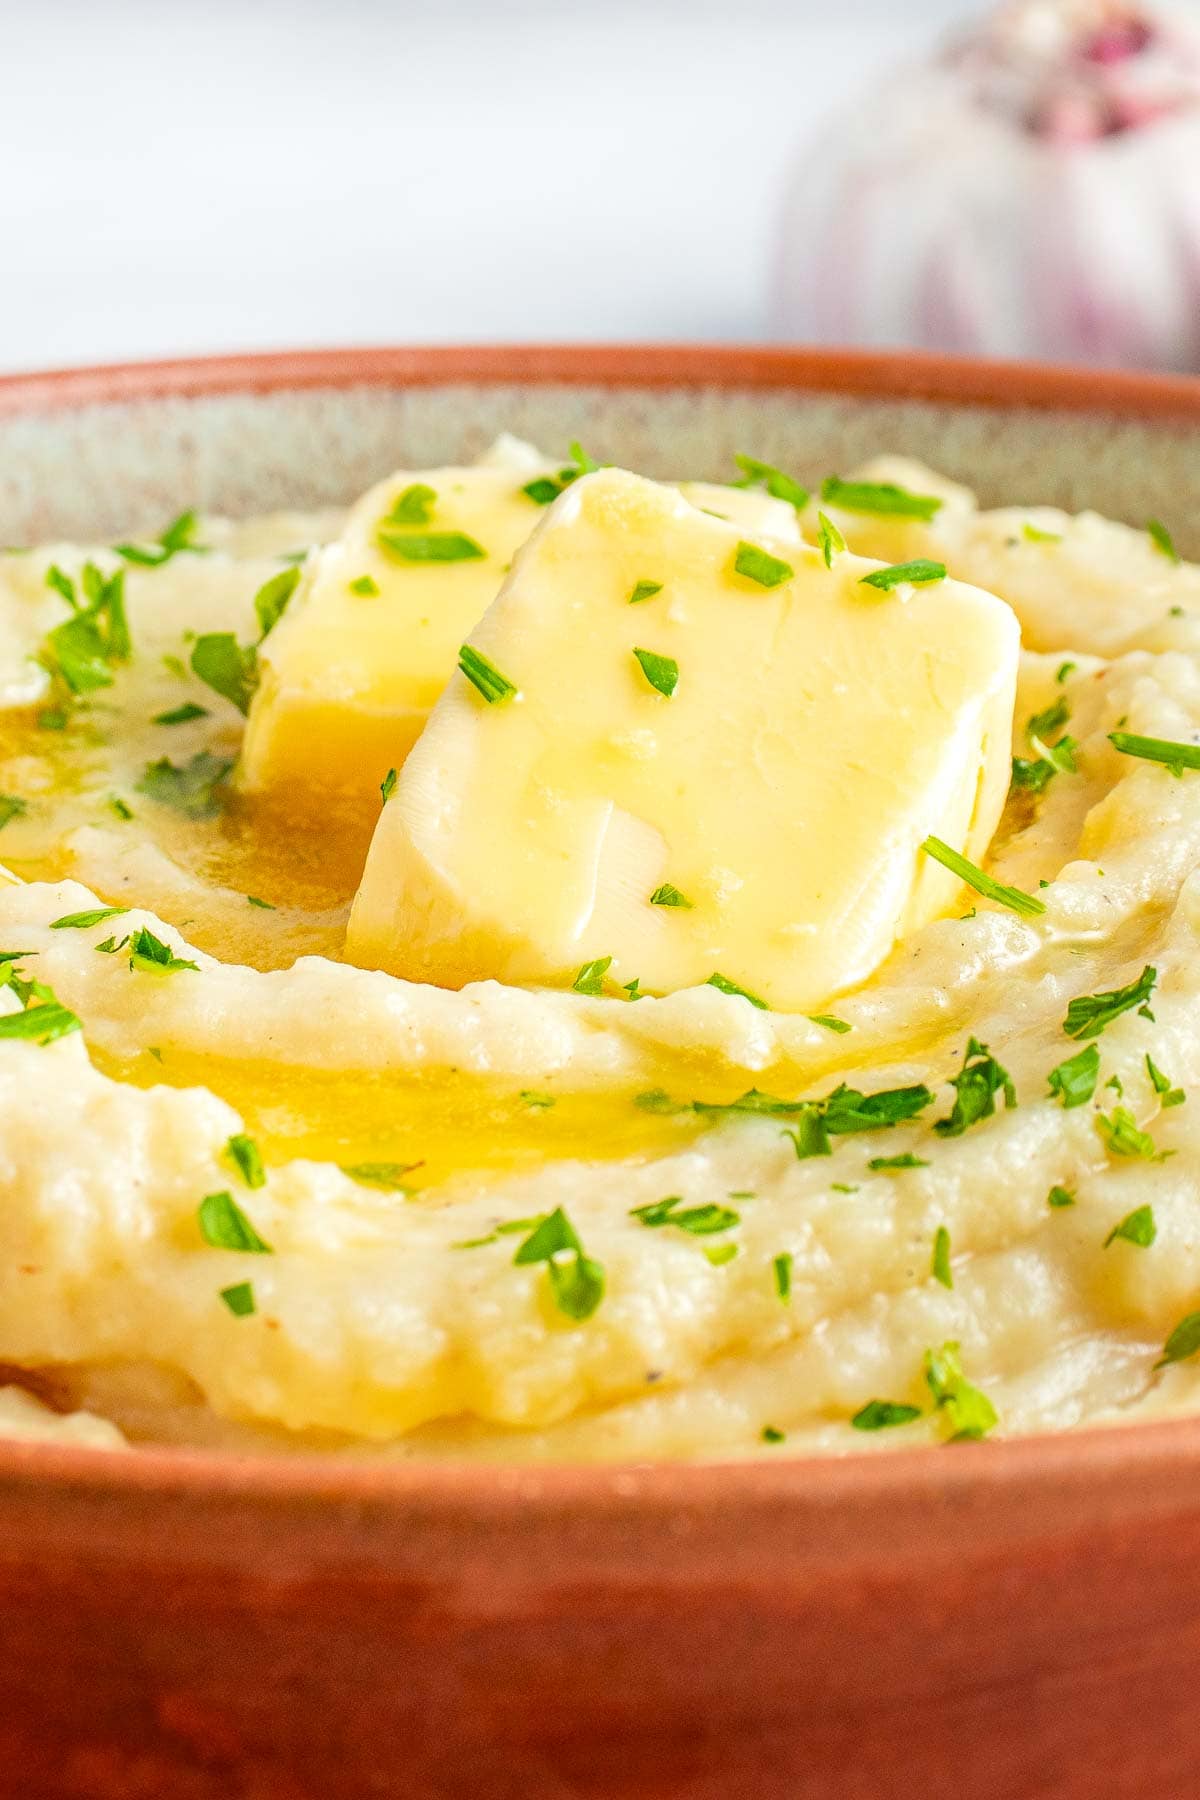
{"x":1033,"y":191}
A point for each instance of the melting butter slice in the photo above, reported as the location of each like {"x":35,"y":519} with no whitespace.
{"x":759,"y":815}
{"x":372,"y":634}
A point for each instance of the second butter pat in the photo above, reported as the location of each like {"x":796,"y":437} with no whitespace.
{"x":816,"y":732}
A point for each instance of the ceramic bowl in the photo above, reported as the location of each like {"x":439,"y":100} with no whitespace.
{"x":995,"y":1621}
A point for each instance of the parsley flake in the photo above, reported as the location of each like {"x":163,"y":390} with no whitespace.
{"x":1162,"y":540}
{"x":431,"y":546}
{"x":576,"y":1279}
{"x":1168,"y":1095}
{"x":920,"y":573}
{"x":724,"y":986}
{"x":270,"y":602}
{"x":1028,"y":905}
{"x":662,"y":672}
{"x":881,"y":499}
{"x":1051,"y":718}
{"x":542,"y":490}
{"x":782,"y":1268}
{"x":778,"y":484}
{"x":1123,"y":1137}
{"x":1089,"y":1014}
{"x":968,"y":1410}
{"x":1183,"y":1342}
{"x":535,"y":1101}
{"x":243,"y":1152}
{"x":939,"y":1266}
{"x":1074,"y":1081}
{"x":878,"y":1164}
{"x":365,"y":585}
{"x":44,"y":1018}
{"x":150,"y":954}
{"x":181,"y":715}
{"x":700,"y":1221}
{"x":881,"y":1415}
{"x":771,"y":1434}
{"x":264,"y":905}
{"x":848,"y":1110}
{"x":81,"y":651}
{"x":1137,"y":1227}
{"x":829,"y":538}
{"x":414,"y":506}
{"x":388,"y":1176}
{"x":1033,"y":534}
{"x":644,"y":590}
{"x":976,"y":1085}
{"x":830,"y":1022}
{"x":666,"y":895}
{"x":227,"y":667}
{"x":590,"y":979}
{"x":225,"y":1226}
{"x":83,"y":921}
{"x":178,"y":537}
{"x":11,"y":807}
{"x":760,"y":566}
{"x":484,"y":676}
{"x":239,"y":1299}
{"x":387,"y":786}
{"x":1060,"y":1197}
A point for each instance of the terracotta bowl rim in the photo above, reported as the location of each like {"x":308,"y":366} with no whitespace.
{"x":1095,"y":1462}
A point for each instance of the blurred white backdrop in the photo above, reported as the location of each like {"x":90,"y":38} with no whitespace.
{"x":193,"y":175}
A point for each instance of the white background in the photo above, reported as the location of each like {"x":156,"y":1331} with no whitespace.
{"x":190,"y":175}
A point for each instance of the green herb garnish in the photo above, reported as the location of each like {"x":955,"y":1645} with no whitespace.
{"x":666,"y":895}
{"x":644,"y":590}
{"x":761,"y":567}
{"x":1183,"y":1342}
{"x":590,"y":979}
{"x":244,"y":1153}
{"x":1014,"y":898}
{"x":181,"y":715}
{"x":771,"y":1434}
{"x":542,"y":489}
{"x":227,"y":667}
{"x":880,"y":1415}
{"x":848,"y":1110}
{"x":1137,"y":1227}
{"x":1074,"y":1081}
{"x":1174,"y":756}
{"x":830,"y":1022}
{"x":779,"y":485}
{"x":388,"y":1176}
{"x":44,"y":1018}
{"x":1162,"y":540}
{"x":830,"y":539}
{"x":387,"y":786}
{"x":879,"y":1164}
{"x":177,"y":538}
{"x":484,"y":676}
{"x":662,"y":672}
{"x":700,"y":1221}
{"x":225,"y":1226}
{"x":882,"y":499}
{"x":968,"y":1410}
{"x":83,"y":921}
{"x":576,"y":1280}
{"x":782,"y":1267}
{"x":431,"y":546}
{"x":365,"y":585}
{"x":150,"y":954}
{"x":723,"y":985}
{"x":1123,"y":1137}
{"x":1051,"y":718}
{"x":239,"y":1299}
{"x":915,"y":574}
{"x":12,"y":807}
{"x":1089,"y":1014}
{"x":536,"y":1101}
{"x":1167,"y":1094}
{"x":270,"y":602}
{"x":975,"y":1088}
{"x":414,"y":506}
{"x":939,"y":1266}
{"x":1033,"y":534}
{"x":1058,"y":1197}
{"x":81,"y":651}
{"x":265,"y":905}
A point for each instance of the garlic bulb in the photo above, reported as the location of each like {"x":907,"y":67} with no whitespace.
{"x":1034,"y":191}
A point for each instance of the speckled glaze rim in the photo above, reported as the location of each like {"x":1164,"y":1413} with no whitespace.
{"x":1001,"y":1492}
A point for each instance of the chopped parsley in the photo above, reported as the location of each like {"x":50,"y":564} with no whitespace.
{"x":782,"y":1269}
{"x":535,"y":1101}
{"x":1033,"y":534}
{"x":654,"y":1100}
{"x":225,"y":1226}
{"x":724,"y":986}
{"x":1064,"y":671}
{"x":365,"y":585}
{"x":576,"y":1279}
{"x":666,"y":895}
{"x":545,"y":488}
{"x":1183,"y":1342}
{"x":270,"y":602}
{"x":1059,"y":1197}
{"x":243,"y":1152}
{"x":265,"y":905}
{"x":880,"y":1415}
{"x":920,"y":573}
{"x":542,"y":489}
{"x":388,"y":1176}
{"x":181,"y":715}
{"x":830,"y":539}
{"x":387,"y":786}
{"x":11,"y":807}
{"x":1031,"y":774}
{"x":52,"y":718}
{"x":1168,"y":1095}
{"x":1051,"y":718}
{"x":760,"y":566}
{"x":662,"y":672}
{"x":1137,"y":1227}
{"x":414,"y":506}
{"x":771,"y":1434}
{"x":239,"y":1299}
{"x":1014,"y":898}
{"x":1123,"y":1137}
{"x":82,"y":650}
{"x":720,"y":1254}
{"x":830,"y":1022}
{"x":976,"y":1085}
{"x":1174,"y":756}
{"x":1162,"y":540}
{"x":967,"y":1409}
{"x":880,"y":1164}
{"x":83,"y":921}
{"x":1060,"y":757}
{"x":700,"y":1221}
{"x":44,"y":1018}
{"x":118,"y":806}
{"x":431,"y":546}
{"x":590,"y":979}
{"x":1074,"y":1081}
{"x":227,"y":667}
{"x":778,"y":484}
{"x":939,"y":1266}
{"x":484,"y":676}
{"x":644,"y":590}
{"x":847,"y":1110}
{"x":178,"y":537}
{"x":1089,"y":1014}
{"x":882,"y":499}
{"x":150,"y":954}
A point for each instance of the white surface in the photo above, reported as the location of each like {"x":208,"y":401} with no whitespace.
{"x":200,"y":175}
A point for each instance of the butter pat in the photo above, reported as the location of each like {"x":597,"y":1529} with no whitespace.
{"x":756,"y":814}
{"x":370,"y":639}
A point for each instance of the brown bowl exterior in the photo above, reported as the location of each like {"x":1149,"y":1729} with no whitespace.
{"x":987,"y":1622}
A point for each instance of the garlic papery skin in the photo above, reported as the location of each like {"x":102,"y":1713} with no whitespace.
{"x":1033,"y":192}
